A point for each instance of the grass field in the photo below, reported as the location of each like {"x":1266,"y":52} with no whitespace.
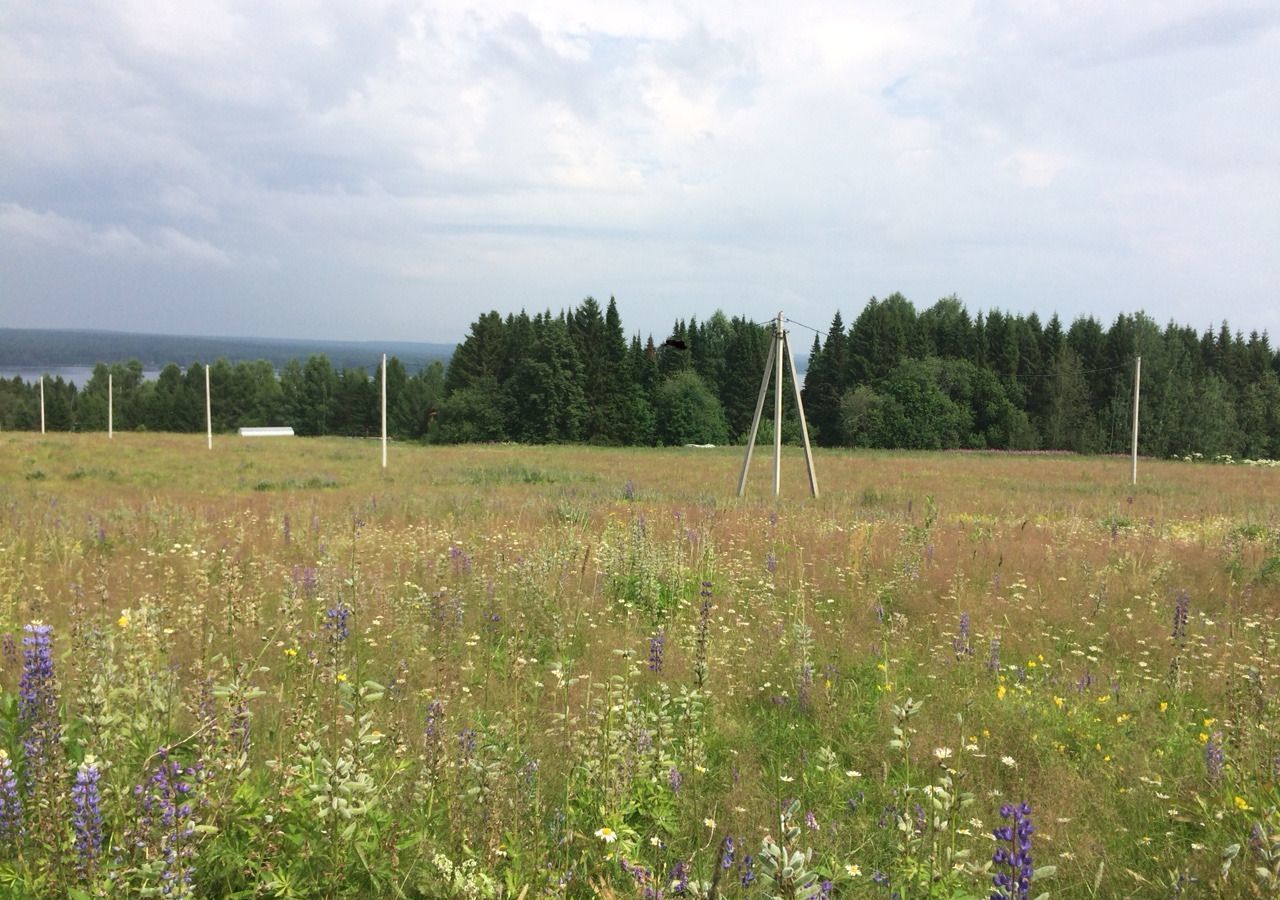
{"x":271,"y":669}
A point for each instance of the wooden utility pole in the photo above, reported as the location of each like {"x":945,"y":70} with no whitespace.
{"x":1137,"y":386}
{"x":779,"y":346}
{"x":384,"y":411}
{"x":42,"y":404}
{"x":110,"y":409}
{"x":208,"y":408}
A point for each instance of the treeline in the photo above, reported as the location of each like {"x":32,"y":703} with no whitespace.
{"x":312,"y":396}
{"x":894,"y":378}
{"x":940,"y":379}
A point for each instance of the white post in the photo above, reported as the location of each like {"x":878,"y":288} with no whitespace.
{"x":777,"y":408}
{"x":208,"y":408}
{"x":110,"y":409}
{"x":755,"y":421}
{"x":42,"y":404}
{"x":384,"y":410}
{"x":1137,"y":385}
{"x":804,"y":426}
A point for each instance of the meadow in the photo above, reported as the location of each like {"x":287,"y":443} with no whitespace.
{"x":273,"y":670}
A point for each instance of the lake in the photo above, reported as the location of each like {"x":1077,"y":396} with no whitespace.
{"x":77,"y":375}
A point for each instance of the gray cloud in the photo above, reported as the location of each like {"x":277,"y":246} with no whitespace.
{"x":318,"y":168}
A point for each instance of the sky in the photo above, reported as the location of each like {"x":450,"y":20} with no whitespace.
{"x":391,"y":170}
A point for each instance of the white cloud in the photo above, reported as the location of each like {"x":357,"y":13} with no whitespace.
{"x":118,"y":242}
{"x":1031,"y":155}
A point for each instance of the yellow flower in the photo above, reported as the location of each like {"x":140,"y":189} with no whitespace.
{"x":342,"y":677}
{"x":1057,"y":701}
{"x":1204,"y":738}
{"x":1209,"y":722}
{"x":1031,"y":664}
{"x":291,"y":652}
{"x":1000,"y":692}
{"x":1164,"y":705}
{"x":1242,"y":804}
{"x":123,"y":621}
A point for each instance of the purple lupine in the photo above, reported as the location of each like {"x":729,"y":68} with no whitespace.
{"x":304,"y":579}
{"x":675,"y":779}
{"x":704,"y":627}
{"x":657,"y":647}
{"x":679,"y":877}
{"x":337,"y":623}
{"x":748,"y":870}
{"x":10,"y":804}
{"x":1181,"y":607}
{"x":38,"y":702}
{"x":726,"y":852}
{"x":1014,"y":868}
{"x":86,"y":817}
{"x":771,"y":562}
{"x":961,"y":642}
{"x":167,"y":825}
{"x":1213,"y":757}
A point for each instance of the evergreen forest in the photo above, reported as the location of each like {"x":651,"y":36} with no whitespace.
{"x":894,"y":377}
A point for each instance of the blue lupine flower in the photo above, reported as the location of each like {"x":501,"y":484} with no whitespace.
{"x":336,"y":623}
{"x":1012,"y":880}
{"x":86,"y":816}
{"x":1213,"y":757}
{"x":657,"y":647}
{"x":38,"y":702}
{"x":10,"y":804}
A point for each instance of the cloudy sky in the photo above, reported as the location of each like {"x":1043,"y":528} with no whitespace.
{"x":392,"y":169}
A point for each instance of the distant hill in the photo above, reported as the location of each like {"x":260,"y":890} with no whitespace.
{"x":33,"y":348}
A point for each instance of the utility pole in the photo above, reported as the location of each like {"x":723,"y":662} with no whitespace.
{"x":1137,"y":386}
{"x":42,"y":404}
{"x":208,"y":408}
{"x":384,"y":411}
{"x":779,"y":346}
{"x":110,"y":409}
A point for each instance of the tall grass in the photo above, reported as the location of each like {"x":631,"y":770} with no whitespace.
{"x":274,"y":670}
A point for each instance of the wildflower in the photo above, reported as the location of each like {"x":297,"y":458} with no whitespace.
{"x":1242,"y":804}
{"x":709,"y":822}
{"x":1057,"y":701}
{"x":675,"y":779}
{"x":961,"y":643}
{"x":10,"y":802}
{"x":38,"y":702}
{"x":1015,"y":883}
{"x":86,"y":817}
{"x":607,"y":834}
{"x":853,"y":871}
{"x":748,"y":870}
{"x":1164,"y":706}
{"x":941,"y":753}
{"x":337,"y":623}
{"x":1009,"y":761}
{"x":167,"y":823}
{"x":657,"y":645}
{"x":1180,"y":609}
{"x":1000,"y":692}
{"x":726,"y":852}
{"x":123,"y":621}
{"x":1213,"y":757}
